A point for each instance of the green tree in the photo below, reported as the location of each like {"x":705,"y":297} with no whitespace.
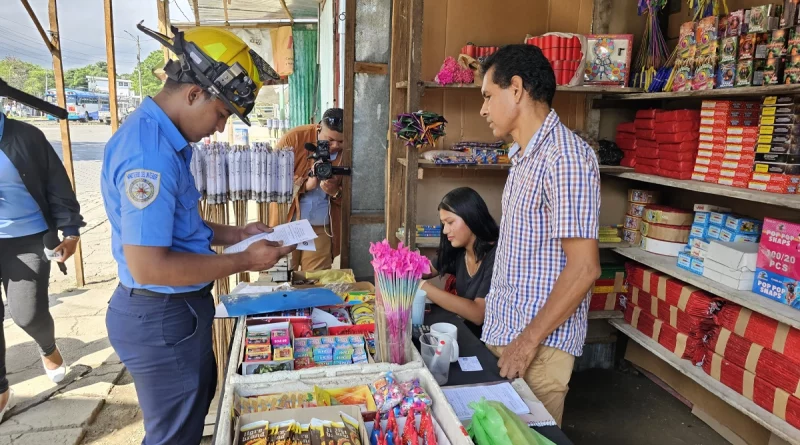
{"x":76,"y":77}
{"x":25,"y":76}
{"x":151,"y":84}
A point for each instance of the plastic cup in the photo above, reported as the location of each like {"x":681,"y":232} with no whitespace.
{"x":418,"y":308}
{"x":435,"y":353}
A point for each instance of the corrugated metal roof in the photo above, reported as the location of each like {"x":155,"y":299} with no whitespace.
{"x":212,"y":10}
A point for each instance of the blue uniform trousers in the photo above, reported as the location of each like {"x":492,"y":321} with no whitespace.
{"x":165,"y":342}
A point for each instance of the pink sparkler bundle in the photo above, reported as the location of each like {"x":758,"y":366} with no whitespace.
{"x":398,"y":274}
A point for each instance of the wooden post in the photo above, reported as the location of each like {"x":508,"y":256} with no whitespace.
{"x":196,"y":13}
{"x":225,"y":11}
{"x":66,"y":142}
{"x":412,"y":104}
{"x":38,"y":25}
{"x":113,"y":106}
{"x":398,"y":66}
{"x":163,"y":23}
{"x":349,"y":103}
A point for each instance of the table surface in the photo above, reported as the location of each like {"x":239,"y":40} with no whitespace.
{"x":469,"y":345}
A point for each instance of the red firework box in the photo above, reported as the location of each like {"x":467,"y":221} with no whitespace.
{"x":737,"y":165}
{"x":629,"y":160}
{"x":787,"y":189}
{"x":676,"y":166}
{"x":741,"y":157}
{"x":742,"y":139}
{"x":676,"y":126}
{"x":682,"y":345}
{"x":684,"y":174}
{"x":718,"y":139}
{"x":644,"y":124}
{"x":647,"y":114}
{"x":606,"y":292}
{"x":711,"y":146}
{"x":751,"y":132}
{"x":773,"y":367}
{"x":677,"y":156}
{"x":760,"y":329}
{"x":605,"y":302}
{"x":764,"y":394}
{"x":660,"y":309}
{"x":647,"y":152}
{"x":777,"y":179}
{"x":626,"y":127}
{"x":678,"y":115}
{"x":676,"y":138}
{"x":646,"y":143}
{"x":644,"y":169}
{"x":674,"y":292}
{"x":716,"y":130}
{"x":713,"y":169}
{"x":680,"y":147}
{"x":741,"y":183}
{"x":649,"y":135}
{"x":778,"y":251}
{"x":737,"y":173}
{"x":643,"y":160}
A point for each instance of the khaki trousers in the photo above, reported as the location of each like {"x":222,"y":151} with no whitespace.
{"x":321,"y":259}
{"x":548,"y":377}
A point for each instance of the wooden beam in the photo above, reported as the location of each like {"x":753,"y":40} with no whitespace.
{"x":412,"y":104}
{"x":113,"y":106}
{"x":372,"y":68}
{"x":395,"y":174}
{"x":288,"y":13}
{"x":66,"y":142}
{"x":196,"y":13}
{"x":367,"y":218}
{"x":225,"y":10}
{"x":187,"y":25}
{"x":349,"y":104}
{"x":164,"y":23}
{"x":39,"y":27}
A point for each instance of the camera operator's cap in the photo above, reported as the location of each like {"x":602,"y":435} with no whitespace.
{"x":220,"y":62}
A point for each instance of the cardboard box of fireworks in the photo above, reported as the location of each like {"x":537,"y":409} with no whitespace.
{"x":400,"y":395}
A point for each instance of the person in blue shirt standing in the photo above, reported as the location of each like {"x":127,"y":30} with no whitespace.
{"x":36,"y":200}
{"x":159,"y":317}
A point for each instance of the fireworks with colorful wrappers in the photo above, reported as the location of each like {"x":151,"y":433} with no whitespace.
{"x":653,"y":52}
{"x":398,"y":274}
{"x":420,"y":128}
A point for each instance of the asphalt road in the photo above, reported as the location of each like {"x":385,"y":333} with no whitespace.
{"x":88,"y":140}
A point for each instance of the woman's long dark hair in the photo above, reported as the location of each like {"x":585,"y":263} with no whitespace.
{"x":468,"y":204}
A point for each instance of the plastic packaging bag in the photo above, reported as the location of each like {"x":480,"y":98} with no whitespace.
{"x":494,"y":424}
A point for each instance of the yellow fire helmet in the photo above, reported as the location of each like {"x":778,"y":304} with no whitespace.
{"x":220,"y":62}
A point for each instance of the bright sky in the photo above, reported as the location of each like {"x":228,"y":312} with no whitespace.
{"x":82,"y":30}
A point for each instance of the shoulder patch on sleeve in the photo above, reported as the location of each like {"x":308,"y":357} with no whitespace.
{"x":142,"y":186}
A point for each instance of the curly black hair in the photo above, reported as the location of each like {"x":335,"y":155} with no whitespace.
{"x":529,"y":63}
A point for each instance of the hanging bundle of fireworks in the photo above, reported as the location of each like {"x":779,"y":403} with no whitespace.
{"x":653,"y":53}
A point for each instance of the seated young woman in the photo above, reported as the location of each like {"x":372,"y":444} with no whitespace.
{"x":466,"y":251}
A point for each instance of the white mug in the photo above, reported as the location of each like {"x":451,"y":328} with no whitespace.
{"x":447,"y":330}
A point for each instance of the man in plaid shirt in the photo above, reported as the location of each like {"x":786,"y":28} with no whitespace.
{"x":547,"y":256}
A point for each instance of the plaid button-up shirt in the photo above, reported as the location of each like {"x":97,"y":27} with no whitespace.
{"x":552,"y":192}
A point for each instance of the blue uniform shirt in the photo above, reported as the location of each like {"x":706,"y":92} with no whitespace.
{"x":149,"y":192}
{"x":20,"y":215}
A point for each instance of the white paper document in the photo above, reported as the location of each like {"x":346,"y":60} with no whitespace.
{"x":461,"y":397}
{"x":470,"y":364}
{"x":295,"y":232}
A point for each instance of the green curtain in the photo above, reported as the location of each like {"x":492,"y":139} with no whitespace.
{"x":304,"y":82}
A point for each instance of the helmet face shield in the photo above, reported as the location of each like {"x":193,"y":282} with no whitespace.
{"x":227,"y":79}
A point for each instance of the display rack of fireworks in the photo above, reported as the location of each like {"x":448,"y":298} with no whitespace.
{"x":776,"y":272}
{"x":683,"y":345}
{"x":764,"y":394}
{"x":776,"y":166}
{"x":760,"y":329}
{"x":238,"y":173}
{"x":728,"y":134}
{"x":420,"y":128}
{"x":608,"y":288}
{"x":565,"y":52}
{"x":637,"y":202}
{"x":653,"y":53}
{"x":674,"y":292}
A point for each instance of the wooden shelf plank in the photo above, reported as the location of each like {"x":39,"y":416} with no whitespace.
{"x":621,"y":245}
{"x":424,"y":163}
{"x":432,"y":243}
{"x":768,"y":420}
{"x":776,"y":199}
{"x":589,"y":89}
{"x":718,"y":93}
{"x":605,"y":315}
{"x":750,"y":300}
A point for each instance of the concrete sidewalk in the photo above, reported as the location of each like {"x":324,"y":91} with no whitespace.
{"x":58,"y":414}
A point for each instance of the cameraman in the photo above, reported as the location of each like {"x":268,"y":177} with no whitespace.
{"x":318,"y":201}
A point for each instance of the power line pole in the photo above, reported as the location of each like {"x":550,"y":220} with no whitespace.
{"x":138,"y":62}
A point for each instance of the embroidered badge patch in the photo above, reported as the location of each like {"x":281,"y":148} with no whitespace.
{"x":142,"y":187}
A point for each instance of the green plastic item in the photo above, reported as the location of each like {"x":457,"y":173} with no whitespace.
{"x":494,"y":424}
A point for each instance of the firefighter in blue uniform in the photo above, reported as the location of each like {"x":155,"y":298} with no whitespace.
{"x":159,"y":317}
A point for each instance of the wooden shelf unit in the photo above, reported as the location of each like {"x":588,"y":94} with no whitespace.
{"x":720,"y":93}
{"x":426,"y":164}
{"x":776,"y":199}
{"x":584,"y":89}
{"x":770,"y":421}
{"x":427,"y":242}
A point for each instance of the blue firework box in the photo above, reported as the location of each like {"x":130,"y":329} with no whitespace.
{"x":776,"y":287}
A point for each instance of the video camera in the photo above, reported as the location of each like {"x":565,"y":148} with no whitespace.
{"x":323,"y":169}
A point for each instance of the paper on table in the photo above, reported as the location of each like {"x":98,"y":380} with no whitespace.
{"x":470,"y":364}
{"x":461,"y":397}
{"x":320,"y":316}
{"x":290,"y":234}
